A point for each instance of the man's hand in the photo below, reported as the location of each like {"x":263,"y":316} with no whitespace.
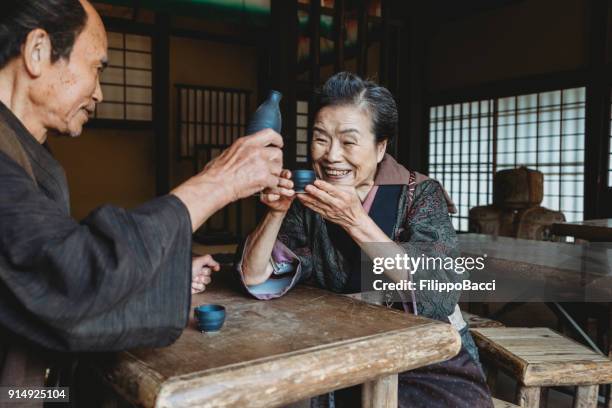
{"x":251,"y":164}
{"x":202,"y":268}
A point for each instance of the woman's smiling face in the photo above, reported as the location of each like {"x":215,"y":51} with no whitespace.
{"x":344,"y":150}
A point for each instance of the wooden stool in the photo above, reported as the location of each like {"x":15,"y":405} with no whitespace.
{"x":540,"y":357}
{"x":503,"y":404}
{"x":477,"y":322}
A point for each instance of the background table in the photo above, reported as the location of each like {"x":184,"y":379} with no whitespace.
{"x":537,"y":261}
{"x":542,"y":261}
{"x":590,"y":230}
{"x":271,"y":353}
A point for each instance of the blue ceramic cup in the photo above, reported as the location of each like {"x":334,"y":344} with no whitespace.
{"x":301,"y":178}
{"x":210,"y":317}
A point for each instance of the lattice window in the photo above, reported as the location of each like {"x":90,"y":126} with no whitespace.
{"x":127,"y":81}
{"x":544,"y":131}
{"x":209,"y":118}
{"x":461,"y":154}
{"x":301,"y":145}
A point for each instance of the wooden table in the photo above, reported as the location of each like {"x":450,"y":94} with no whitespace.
{"x":537,"y":261}
{"x":590,"y":230}
{"x":540,"y":261}
{"x":271,"y":353}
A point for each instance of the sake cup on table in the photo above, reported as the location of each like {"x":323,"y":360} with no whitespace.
{"x":210,"y":317}
{"x":301,"y":178}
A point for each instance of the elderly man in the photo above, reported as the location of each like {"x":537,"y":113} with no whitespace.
{"x":117,"y":279}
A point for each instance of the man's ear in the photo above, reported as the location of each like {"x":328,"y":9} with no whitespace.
{"x":36,"y":52}
{"x":381,"y":148}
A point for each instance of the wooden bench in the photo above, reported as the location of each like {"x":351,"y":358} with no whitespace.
{"x":540,"y":357}
{"x":503,"y":404}
{"x":476,"y":322}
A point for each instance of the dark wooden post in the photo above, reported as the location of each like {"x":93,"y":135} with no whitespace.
{"x":338,"y":35}
{"x":362,"y":35}
{"x":284,"y":69}
{"x":597,"y":114}
{"x":385,"y":45}
{"x":161,"y":102}
{"x":315,"y":42}
{"x":413,"y":127}
{"x":315,"y":62}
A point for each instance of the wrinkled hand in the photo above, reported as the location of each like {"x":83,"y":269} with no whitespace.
{"x":338,"y":204}
{"x":279,"y":198}
{"x":202,"y":268}
{"x":251,"y":164}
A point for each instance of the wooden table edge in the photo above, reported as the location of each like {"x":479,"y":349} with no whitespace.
{"x":600,"y":374}
{"x":190,"y":389}
{"x":588,"y":232}
{"x":172,"y":390}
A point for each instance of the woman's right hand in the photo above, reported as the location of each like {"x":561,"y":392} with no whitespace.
{"x":279,"y":198}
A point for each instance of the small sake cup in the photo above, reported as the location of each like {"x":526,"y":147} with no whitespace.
{"x":210,"y":317}
{"x":301,"y":178}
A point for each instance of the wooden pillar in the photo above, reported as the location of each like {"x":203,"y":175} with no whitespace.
{"x":385,"y":43}
{"x":586,"y":396}
{"x":413,"y":141}
{"x":380,"y":393}
{"x":315,"y":42}
{"x":362,"y":38}
{"x":161,"y":102}
{"x":528,"y":397}
{"x":315,"y":64}
{"x":338,"y":35}
{"x":284,"y":41}
{"x":597,"y":114}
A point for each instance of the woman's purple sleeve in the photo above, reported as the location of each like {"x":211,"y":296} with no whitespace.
{"x":291,"y":257}
{"x":287,"y":272}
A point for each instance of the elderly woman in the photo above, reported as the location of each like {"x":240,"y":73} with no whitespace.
{"x":361,"y":196}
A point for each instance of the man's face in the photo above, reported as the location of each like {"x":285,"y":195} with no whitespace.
{"x":69,"y":89}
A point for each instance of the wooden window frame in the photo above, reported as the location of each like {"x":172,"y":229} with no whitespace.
{"x":133,"y":28}
{"x":513,"y":88}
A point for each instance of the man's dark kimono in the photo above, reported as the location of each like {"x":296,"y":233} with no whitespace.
{"x":116,"y":280}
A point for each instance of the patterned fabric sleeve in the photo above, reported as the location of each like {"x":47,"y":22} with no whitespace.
{"x":428,"y":232}
{"x":291,"y":258}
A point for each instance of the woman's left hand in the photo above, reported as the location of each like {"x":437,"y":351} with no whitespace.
{"x":338,"y":204}
{"x":201,"y":272}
